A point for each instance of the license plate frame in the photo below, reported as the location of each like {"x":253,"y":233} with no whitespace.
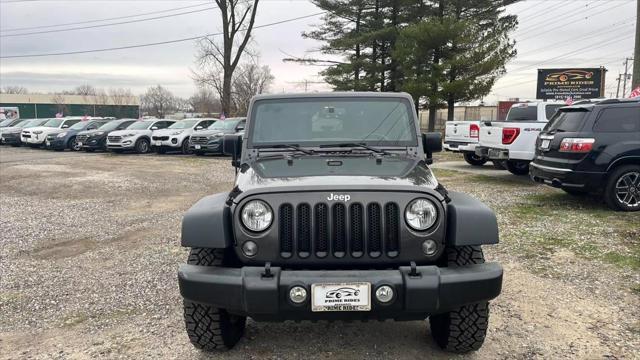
{"x":341,"y":297}
{"x":545,"y":144}
{"x":158,"y":143}
{"x":197,"y":147}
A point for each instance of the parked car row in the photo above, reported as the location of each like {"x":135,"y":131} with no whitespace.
{"x":589,"y":147}
{"x":203,"y":135}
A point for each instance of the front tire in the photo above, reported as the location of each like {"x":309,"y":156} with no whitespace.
{"x":185,"y":147}
{"x":473,"y":159}
{"x":73,"y":144}
{"x":623,"y":189}
{"x":142,"y":146}
{"x":518,"y":167}
{"x":464,"y":329}
{"x":210,"y":328}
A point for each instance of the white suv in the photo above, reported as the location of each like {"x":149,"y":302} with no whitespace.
{"x":36,"y":136}
{"x":137,"y":136}
{"x":176,"y":137}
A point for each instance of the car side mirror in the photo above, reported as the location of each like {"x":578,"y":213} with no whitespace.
{"x":432,"y":143}
{"x":240,"y":128}
{"x":65,"y":126}
{"x":199,"y":128}
{"x":154,"y":128}
{"x":232,"y":146}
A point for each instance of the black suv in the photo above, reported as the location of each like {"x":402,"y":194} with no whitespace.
{"x":336,"y":215}
{"x":92,"y":140}
{"x":593,"y":147}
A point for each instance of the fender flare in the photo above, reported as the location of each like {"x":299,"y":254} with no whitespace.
{"x":470,"y":222}
{"x":207,"y":224}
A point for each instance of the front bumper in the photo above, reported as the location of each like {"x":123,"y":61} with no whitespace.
{"x":214,"y":146}
{"x":126,"y":144}
{"x":10,"y":139}
{"x":55,"y":144}
{"x":33,"y":140}
{"x":247,"y":291}
{"x":171,"y":143}
{"x":460,"y":146}
{"x":560,"y":177}
{"x":93,"y":144}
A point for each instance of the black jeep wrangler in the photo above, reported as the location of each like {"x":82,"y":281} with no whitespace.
{"x":335,"y":215}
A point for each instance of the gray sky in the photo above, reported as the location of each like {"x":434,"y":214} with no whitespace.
{"x":552,"y":33}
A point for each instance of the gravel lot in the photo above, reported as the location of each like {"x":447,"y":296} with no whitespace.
{"x":90,"y":248}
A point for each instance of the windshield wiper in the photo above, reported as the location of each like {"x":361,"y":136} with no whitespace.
{"x":359,"y":145}
{"x":288,"y":146}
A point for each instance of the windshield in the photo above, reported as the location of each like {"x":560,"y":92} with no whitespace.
{"x":567,"y":120}
{"x":79,"y":125}
{"x":54,"y":123}
{"x":224,"y":125}
{"x":184,"y":124}
{"x":326,"y":121}
{"x":111,"y":125}
{"x":140,"y":125}
{"x":27,"y":123}
{"x":5,"y":122}
{"x":523,"y":112}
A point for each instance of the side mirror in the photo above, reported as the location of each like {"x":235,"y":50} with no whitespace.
{"x":154,"y":128}
{"x":232,"y":146}
{"x":240,"y":128}
{"x":199,"y":127}
{"x":432,"y":143}
{"x":65,"y":126}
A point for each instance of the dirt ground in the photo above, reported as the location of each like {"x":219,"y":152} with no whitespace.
{"x":90,"y":249}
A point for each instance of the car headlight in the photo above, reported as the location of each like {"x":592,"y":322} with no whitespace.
{"x":62,"y":134}
{"x":256,"y":215}
{"x":127,"y":135}
{"x":177,"y":132}
{"x":421,"y":214}
{"x":38,"y":132}
{"x":99,"y":133}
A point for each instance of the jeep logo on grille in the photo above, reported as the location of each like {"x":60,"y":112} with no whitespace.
{"x":337,"y":197}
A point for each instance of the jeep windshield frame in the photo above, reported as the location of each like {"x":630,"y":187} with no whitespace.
{"x":306,"y":121}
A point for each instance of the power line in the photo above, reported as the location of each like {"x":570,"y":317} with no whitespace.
{"x":155,"y":43}
{"x":110,"y":24}
{"x":105,"y":19}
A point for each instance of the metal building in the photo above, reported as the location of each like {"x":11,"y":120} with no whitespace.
{"x":48,"y":105}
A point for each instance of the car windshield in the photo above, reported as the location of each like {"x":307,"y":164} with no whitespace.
{"x":5,"y":122}
{"x":54,"y":123}
{"x":140,"y":125}
{"x":326,"y":121}
{"x":523,"y":112}
{"x":79,"y":125}
{"x":27,"y":123}
{"x":184,"y":124}
{"x":111,"y":125}
{"x":224,"y":125}
{"x":568,"y":120}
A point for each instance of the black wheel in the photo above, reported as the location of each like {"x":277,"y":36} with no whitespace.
{"x":473,"y":159}
{"x":185,"y":147}
{"x":210,"y":328}
{"x":499,"y":165}
{"x":623,"y":188}
{"x":518,"y":167}
{"x":575,"y":192}
{"x":464,"y":329}
{"x":142,"y":146}
{"x":73,"y":144}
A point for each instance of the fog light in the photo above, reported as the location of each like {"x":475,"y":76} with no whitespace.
{"x":298,"y":294}
{"x":250,"y":248}
{"x":429,"y":247}
{"x":384,"y":294}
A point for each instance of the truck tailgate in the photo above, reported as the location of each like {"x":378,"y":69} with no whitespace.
{"x":460,"y":131}
{"x":491,"y":134}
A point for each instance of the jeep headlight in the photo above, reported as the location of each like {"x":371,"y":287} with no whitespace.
{"x":256,"y":215}
{"x":421,"y":214}
{"x":62,"y":134}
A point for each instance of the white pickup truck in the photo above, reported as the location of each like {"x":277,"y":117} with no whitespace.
{"x":463,"y":137}
{"x":514,"y":140}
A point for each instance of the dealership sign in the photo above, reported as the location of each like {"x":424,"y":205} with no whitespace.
{"x":561,"y":84}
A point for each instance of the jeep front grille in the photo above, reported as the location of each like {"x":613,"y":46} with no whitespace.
{"x":337,"y":230}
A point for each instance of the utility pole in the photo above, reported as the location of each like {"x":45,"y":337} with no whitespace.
{"x":626,"y":76}
{"x":618,"y":79}
{"x":636,"y":56}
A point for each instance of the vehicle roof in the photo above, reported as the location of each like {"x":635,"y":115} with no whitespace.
{"x":604,"y":103}
{"x":337,"y":94}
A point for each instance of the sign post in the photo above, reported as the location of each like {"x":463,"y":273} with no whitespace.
{"x":561,"y":84}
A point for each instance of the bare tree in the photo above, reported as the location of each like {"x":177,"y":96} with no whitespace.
{"x":158,"y":101}
{"x":61,"y":106}
{"x":120,"y":98}
{"x":217,"y":60}
{"x":84,"y":90}
{"x":15,"y":90}
{"x":204,"y":101}
{"x":252,"y":79}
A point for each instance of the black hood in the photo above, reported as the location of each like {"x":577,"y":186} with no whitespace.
{"x":312,"y":171}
